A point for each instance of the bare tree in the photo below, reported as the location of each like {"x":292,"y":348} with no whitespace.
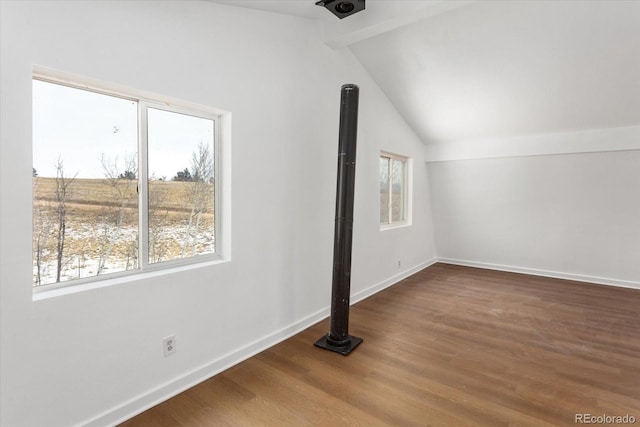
{"x":40,"y":231}
{"x":158,"y":217}
{"x":124,"y":189}
{"x":200,"y":194}
{"x":61,"y":196}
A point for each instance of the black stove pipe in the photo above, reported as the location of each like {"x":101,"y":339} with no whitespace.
{"x":338,"y":338}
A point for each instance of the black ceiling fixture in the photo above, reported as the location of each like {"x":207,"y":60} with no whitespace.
{"x":342,"y":8}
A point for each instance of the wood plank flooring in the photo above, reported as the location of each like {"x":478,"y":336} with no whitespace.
{"x":449,"y":346}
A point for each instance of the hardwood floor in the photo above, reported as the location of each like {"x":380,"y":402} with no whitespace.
{"x":449,"y":346}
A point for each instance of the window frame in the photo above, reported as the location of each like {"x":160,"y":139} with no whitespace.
{"x":144,"y":101}
{"x":143,"y":201}
{"x":406,"y":190}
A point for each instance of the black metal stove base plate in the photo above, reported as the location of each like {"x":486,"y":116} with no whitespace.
{"x":343,"y":350}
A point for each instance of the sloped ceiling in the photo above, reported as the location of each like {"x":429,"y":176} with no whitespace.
{"x":492,"y":69}
{"x":468,"y":70}
{"x":301,"y":8}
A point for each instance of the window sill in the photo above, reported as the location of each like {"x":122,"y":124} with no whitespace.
{"x":393,"y":226}
{"x":49,"y":291}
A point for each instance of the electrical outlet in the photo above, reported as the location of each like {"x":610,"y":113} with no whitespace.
{"x":399,"y":263}
{"x":169,"y":345}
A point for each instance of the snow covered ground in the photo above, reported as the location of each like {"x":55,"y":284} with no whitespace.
{"x":87,"y":247}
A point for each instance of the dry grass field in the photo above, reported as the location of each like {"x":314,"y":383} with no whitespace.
{"x":101,"y":220}
{"x":99,"y":192}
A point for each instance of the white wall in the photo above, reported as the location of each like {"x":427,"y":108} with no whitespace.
{"x":95,"y":356}
{"x":568,"y":215}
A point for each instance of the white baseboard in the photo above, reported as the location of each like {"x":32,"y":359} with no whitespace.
{"x":365,"y":293}
{"x":545,"y":273}
{"x":165,"y":391}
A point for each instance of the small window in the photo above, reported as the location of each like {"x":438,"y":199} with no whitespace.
{"x":119,"y":184}
{"x":394,"y":201}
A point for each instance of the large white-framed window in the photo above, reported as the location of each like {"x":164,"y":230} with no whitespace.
{"x":122,"y":184}
{"x":395,"y":196}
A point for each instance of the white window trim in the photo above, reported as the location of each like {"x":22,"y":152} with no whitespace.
{"x":143,"y":200}
{"x":408,"y":191}
{"x":222,"y":158}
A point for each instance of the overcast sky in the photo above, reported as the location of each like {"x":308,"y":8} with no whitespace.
{"x":81,"y":126}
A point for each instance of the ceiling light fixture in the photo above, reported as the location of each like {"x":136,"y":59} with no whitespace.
{"x":342,"y":8}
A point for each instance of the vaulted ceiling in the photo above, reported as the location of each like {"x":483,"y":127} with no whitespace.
{"x":467,"y":70}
